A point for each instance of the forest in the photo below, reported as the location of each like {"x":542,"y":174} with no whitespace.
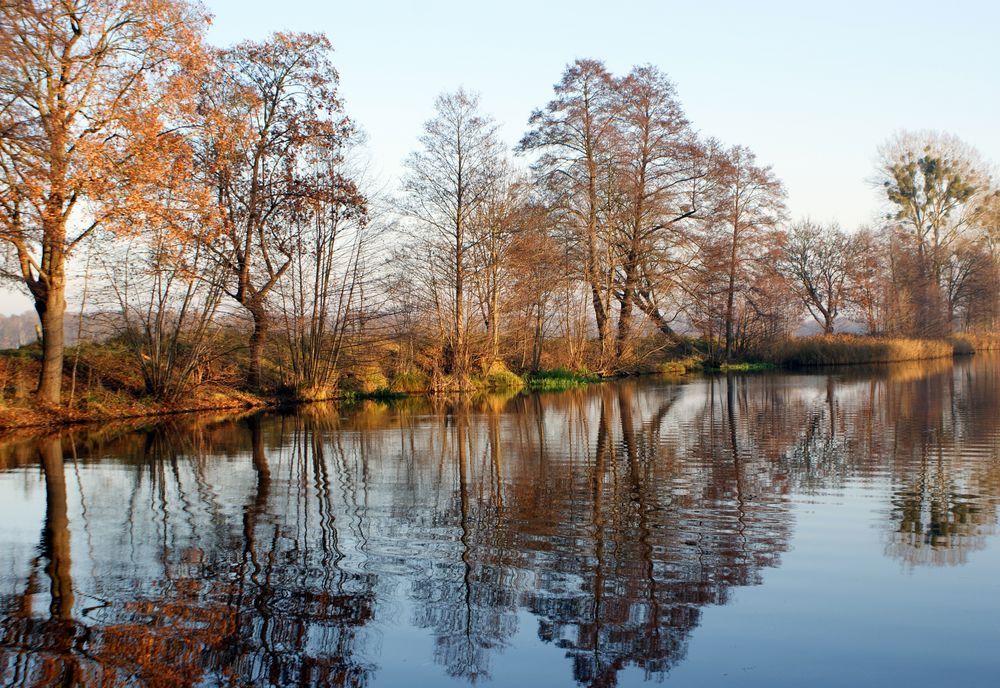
{"x":198,"y":225}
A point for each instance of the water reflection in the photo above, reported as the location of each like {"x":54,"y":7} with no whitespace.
{"x":280,"y":549}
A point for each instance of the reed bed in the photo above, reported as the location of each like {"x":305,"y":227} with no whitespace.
{"x":971,"y":342}
{"x":844,"y":349}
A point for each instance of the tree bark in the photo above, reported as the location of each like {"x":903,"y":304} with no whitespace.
{"x":257,"y":340}
{"x":50,"y":304}
{"x":625,"y":304}
{"x":731,"y":295}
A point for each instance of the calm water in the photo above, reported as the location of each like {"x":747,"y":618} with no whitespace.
{"x":772,"y":529}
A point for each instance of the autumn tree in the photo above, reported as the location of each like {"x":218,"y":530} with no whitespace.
{"x":675,"y":275}
{"x":449,"y":184}
{"x":494,"y":230}
{"x":869,"y":286}
{"x":83,"y":88}
{"x":269,"y":108}
{"x":535,"y":278}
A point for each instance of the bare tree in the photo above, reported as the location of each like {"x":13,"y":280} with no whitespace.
{"x":750,"y":205}
{"x":322,"y":297}
{"x":168,"y":293}
{"x":939,"y":192}
{"x":269,"y":108}
{"x":450,"y":182}
{"x":657,"y":159}
{"x":819,"y":262}
{"x":496,"y":229}
{"x":574,"y":135}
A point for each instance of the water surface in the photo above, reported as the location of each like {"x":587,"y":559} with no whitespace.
{"x":826,"y":529}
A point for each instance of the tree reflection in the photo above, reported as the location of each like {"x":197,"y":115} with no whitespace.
{"x":42,"y":646}
{"x":930,"y":430}
{"x":209,"y":600}
{"x":669,"y":537}
{"x":274,"y":550}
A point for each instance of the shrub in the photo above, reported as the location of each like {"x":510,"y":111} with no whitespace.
{"x":680,"y":366}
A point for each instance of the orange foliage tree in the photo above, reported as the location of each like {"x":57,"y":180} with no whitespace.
{"x":85,"y":88}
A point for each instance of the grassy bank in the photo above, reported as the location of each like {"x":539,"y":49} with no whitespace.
{"x":116,"y":405}
{"x":101,"y":385}
{"x":966,"y":343}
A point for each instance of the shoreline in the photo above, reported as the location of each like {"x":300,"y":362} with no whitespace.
{"x":27,"y":417}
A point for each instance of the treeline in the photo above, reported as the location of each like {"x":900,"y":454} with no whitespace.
{"x":220,"y":199}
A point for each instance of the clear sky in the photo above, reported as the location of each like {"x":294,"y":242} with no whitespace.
{"x":813,"y":87}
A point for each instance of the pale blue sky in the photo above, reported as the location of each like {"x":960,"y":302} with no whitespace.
{"x":812,"y":87}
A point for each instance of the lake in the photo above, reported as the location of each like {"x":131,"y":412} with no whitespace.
{"x":772,"y":529}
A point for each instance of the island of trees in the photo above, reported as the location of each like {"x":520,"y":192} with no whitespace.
{"x":209,"y":215}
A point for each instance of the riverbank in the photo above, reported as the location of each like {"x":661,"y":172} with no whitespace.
{"x":26,"y":413}
{"x":101,"y":389}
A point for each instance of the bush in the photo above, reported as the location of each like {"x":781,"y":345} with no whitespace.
{"x":680,"y":366}
{"x":366,"y":380}
{"x":746,"y":366}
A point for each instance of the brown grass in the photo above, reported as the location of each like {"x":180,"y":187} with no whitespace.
{"x":845,"y":349}
{"x":107,"y":388}
{"x":971,"y":342}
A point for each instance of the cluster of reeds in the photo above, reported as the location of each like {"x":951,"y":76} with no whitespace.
{"x":845,"y":349}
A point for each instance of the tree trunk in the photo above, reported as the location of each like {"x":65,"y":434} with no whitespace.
{"x":257,"y":340}
{"x":600,"y":318}
{"x":648,"y":306}
{"x":536,"y":352}
{"x":50,"y":304}
{"x":494,"y":309}
{"x":458,"y":363}
{"x":731,"y":295}
{"x":625,"y":309}
{"x":729,"y":319}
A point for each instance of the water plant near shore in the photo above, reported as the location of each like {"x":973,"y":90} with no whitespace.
{"x":844,"y":349}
